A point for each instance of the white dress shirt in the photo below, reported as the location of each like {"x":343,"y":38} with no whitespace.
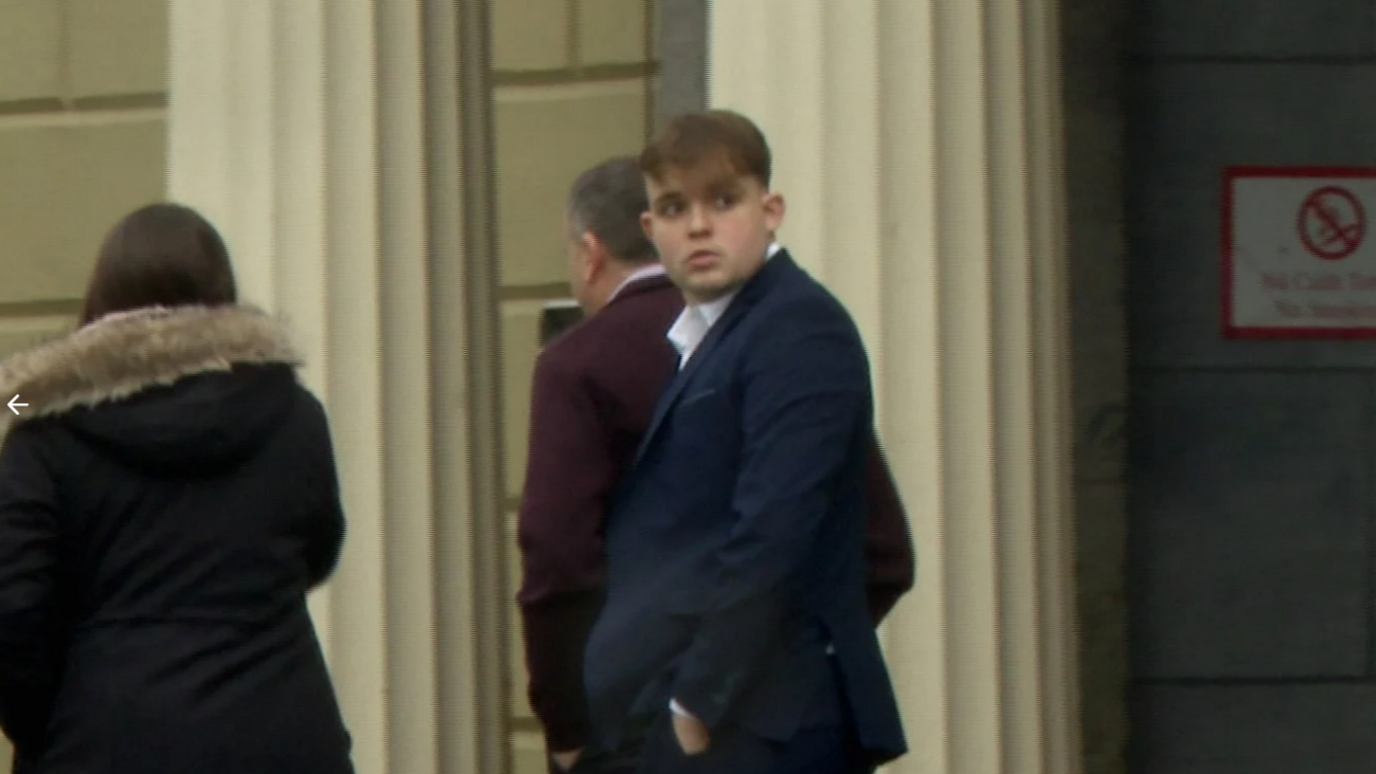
{"x":696,"y":320}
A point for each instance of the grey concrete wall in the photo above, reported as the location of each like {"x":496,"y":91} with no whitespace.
{"x":1250,"y":464}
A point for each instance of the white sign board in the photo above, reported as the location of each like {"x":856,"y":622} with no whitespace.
{"x":1299,"y":252}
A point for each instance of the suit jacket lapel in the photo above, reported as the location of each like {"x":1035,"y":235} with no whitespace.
{"x":675,"y":389}
{"x":742,"y":304}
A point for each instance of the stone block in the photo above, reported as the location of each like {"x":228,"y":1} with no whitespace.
{"x":530,"y":34}
{"x":22,"y":331}
{"x":30,"y":50}
{"x":1101,"y":610}
{"x":117,"y":48}
{"x":1092,"y":34}
{"x":1250,"y":523}
{"x":1254,"y":729}
{"x":1256,"y":29}
{"x":1100,"y":353}
{"x":611,"y":31}
{"x":546,"y":136}
{"x":528,"y":753}
{"x":680,"y":48}
{"x":1100,"y":413}
{"x":65,"y":185}
{"x":520,"y":343}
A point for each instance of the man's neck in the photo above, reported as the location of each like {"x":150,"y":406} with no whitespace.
{"x":632,"y":274}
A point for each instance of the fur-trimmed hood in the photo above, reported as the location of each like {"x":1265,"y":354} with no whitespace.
{"x":104,"y":377}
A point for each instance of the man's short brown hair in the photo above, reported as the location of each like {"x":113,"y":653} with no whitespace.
{"x":696,"y":142}
{"x":607,"y":200}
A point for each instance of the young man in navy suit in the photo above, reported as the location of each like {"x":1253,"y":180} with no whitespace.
{"x":594,"y":392}
{"x":735,"y":635}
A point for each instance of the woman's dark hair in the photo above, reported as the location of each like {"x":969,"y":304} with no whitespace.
{"x":159,"y":255}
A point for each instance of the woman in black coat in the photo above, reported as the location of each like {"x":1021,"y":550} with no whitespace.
{"x":168,"y":496}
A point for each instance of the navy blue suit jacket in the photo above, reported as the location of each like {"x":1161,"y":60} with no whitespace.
{"x":735,"y":543}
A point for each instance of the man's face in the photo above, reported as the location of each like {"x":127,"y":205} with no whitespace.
{"x":711,"y":232}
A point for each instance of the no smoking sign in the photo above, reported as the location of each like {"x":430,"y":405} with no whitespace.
{"x":1297,"y":261}
{"x":1332,"y":223}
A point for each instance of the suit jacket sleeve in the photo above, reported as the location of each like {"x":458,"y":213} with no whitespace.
{"x":805,"y":395}
{"x":570,"y":473}
{"x":890,"y":560}
{"x":31,"y":641}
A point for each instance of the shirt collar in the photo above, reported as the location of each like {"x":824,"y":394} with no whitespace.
{"x":696,"y":320}
{"x":644,"y":272}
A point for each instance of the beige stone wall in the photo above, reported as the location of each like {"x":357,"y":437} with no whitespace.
{"x":82,"y":88}
{"x":573,"y":87}
{"x":82,"y":127}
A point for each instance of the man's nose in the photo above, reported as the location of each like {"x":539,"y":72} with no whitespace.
{"x":699,"y":220}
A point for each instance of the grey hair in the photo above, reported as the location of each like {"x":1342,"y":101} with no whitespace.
{"x":608,"y":200}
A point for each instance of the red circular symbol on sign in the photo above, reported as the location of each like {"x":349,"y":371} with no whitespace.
{"x":1332,"y":223}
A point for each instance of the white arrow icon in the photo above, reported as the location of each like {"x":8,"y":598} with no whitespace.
{"x":12,"y":405}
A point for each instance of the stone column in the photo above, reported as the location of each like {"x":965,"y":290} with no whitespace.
{"x":680,"y":48}
{"x":917,"y":143}
{"x":341,"y":147}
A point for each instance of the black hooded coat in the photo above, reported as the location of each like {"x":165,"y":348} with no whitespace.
{"x":168,"y":497}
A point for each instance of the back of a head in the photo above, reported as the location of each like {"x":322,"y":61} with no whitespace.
{"x":159,"y":255}
{"x":159,"y":405}
{"x":608,"y":200}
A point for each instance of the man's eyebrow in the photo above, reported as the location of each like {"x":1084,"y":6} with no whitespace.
{"x":725,"y":184}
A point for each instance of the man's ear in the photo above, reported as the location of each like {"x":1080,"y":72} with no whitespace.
{"x":774,"y":208}
{"x":647,"y":224}
{"x":595,"y":254}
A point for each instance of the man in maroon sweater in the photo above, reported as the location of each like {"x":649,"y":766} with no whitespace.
{"x":594,"y":392}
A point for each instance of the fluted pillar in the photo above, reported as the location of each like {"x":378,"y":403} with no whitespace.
{"x":917,"y":143}
{"x":341,"y":148}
